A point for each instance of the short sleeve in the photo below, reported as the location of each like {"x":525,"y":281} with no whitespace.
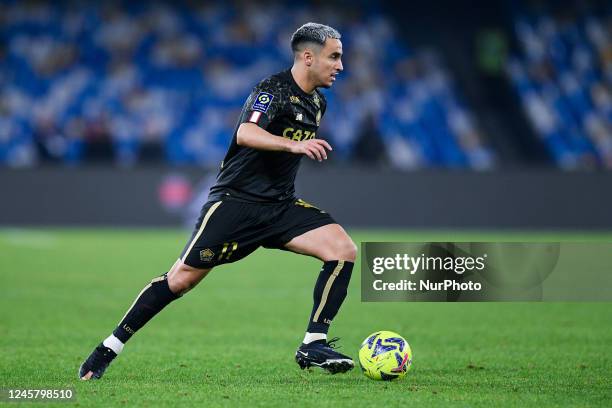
{"x":264,"y":104}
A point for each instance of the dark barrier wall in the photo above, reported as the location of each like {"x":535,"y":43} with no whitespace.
{"x":356,"y":197}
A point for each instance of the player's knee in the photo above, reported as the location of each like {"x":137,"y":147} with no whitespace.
{"x":179,"y":285}
{"x":184,"y":278}
{"x":346,"y":250}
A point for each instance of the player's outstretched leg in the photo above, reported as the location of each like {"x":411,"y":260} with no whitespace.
{"x":326,"y":243}
{"x":150,"y":301}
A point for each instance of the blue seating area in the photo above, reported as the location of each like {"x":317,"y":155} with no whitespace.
{"x":105,"y":80}
{"x":424,"y":121}
{"x":563,"y":75}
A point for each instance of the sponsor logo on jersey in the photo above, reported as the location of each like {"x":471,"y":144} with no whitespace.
{"x":298,"y":134}
{"x":262,"y":102}
{"x":299,"y":117}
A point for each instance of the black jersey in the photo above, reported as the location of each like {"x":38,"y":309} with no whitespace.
{"x":278,"y":105}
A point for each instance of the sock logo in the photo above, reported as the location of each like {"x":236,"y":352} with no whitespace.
{"x":128,"y":329}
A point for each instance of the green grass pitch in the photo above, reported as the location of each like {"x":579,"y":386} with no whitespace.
{"x":230,"y":342}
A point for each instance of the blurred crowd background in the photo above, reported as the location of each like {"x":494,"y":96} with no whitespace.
{"x":163,"y":82}
{"x":563,"y":74}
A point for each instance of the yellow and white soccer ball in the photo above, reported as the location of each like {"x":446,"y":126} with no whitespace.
{"x":385,"y":355}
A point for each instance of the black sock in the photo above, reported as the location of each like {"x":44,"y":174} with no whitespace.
{"x":153,"y":298}
{"x":329,"y":293}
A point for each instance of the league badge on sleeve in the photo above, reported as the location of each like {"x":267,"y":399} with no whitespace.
{"x":262,"y":102}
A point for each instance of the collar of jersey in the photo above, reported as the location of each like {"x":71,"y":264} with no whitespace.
{"x":297,"y":87}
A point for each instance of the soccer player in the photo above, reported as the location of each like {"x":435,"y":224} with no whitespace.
{"x":253,"y":204}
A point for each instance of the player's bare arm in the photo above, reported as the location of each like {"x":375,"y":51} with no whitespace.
{"x":251,"y":135}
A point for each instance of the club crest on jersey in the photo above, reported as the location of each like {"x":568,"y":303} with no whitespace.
{"x":206,"y":255}
{"x":294,"y":99}
{"x":262,"y":102}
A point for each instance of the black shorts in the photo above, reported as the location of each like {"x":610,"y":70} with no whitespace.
{"x":229,"y":230}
